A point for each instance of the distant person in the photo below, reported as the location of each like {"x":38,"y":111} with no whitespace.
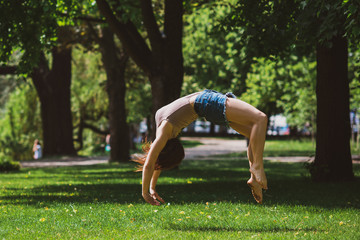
{"x":107,"y":140}
{"x":143,"y":137}
{"x":166,"y":151}
{"x":37,"y":149}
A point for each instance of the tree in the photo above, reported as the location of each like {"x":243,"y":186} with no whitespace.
{"x":22,"y":28}
{"x":279,"y":27}
{"x":53,"y":87}
{"x":162,"y":62}
{"x":115,"y":65}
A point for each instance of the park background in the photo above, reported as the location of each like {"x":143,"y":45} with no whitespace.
{"x":73,"y":72}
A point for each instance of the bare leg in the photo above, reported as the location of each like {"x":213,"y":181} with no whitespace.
{"x":256,"y":161}
{"x":252,"y":123}
{"x":256,"y":188}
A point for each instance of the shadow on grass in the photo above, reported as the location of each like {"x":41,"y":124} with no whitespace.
{"x":273,"y":153}
{"x":195,"y":182}
{"x":239,"y":228}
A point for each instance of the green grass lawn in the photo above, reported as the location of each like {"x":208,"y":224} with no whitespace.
{"x":206,"y":199}
{"x":285,"y":148}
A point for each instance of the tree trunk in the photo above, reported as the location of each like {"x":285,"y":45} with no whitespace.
{"x":163,"y":63}
{"x":115,"y":72}
{"x":164,"y":90}
{"x":167,"y":71}
{"x":53,"y":87}
{"x":333,"y":156}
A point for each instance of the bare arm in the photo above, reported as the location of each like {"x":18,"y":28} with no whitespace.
{"x":149,"y":175}
{"x":153,"y":192}
{"x":154,"y":179}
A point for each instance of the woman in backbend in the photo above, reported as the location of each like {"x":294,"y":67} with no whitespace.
{"x":167,"y":152}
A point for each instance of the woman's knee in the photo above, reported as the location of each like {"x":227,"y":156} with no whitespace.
{"x":261,"y":118}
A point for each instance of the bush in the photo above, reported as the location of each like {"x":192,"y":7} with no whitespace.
{"x":7,"y":165}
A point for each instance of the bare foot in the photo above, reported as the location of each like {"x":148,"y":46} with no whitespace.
{"x":259,"y":176}
{"x":256,"y":190}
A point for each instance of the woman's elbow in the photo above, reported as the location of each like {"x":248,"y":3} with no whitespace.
{"x":148,"y":167}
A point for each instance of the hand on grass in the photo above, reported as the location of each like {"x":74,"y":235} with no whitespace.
{"x":153,"y":198}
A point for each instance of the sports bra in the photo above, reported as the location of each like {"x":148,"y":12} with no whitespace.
{"x":180,"y":113}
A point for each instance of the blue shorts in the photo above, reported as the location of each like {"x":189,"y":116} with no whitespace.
{"x":212,"y":105}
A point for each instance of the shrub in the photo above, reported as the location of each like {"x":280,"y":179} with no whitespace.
{"x":7,"y":165}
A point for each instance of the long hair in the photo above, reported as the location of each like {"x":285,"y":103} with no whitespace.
{"x":170,"y":157}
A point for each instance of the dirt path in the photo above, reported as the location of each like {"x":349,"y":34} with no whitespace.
{"x":209,"y":147}
{"x":213,"y":146}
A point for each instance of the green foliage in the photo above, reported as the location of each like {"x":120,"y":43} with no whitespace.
{"x":8,"y":165}
{"x":284,"y":87}
{"x":130,"y":10}
{"x":138,"y":102}
{"x":7,"y":85}
{"x":352,"y":23}
{"x":298,"y":100}
{"x":138,"y":94}
{"x":21,"y":123}
{"x":31,"y":26}
{"x":264,"y":86}
{"x":21,"y":27}
{"x":322,"y":20}
{"x":212,"y":59}
{"x":277,"y":27}
{"x":267,"y":26}
{"x":89,"y":99}
{"x":354,"y":76}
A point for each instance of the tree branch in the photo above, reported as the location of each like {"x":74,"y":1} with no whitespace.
{"x":84,"y":18}
{"x":4,"y":70}
{"x":95,"y":129}
{"x":173,"y":24}
{"x":93,"y":32}
{"x":129,"y":37}
{"x":151,"y":26}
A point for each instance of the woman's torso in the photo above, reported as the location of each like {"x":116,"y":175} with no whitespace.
{"x":179,"y":113}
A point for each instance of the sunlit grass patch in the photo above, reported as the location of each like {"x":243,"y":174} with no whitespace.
{"x":204,"y":199}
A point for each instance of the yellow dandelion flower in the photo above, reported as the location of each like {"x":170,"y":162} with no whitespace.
{"x":42,"y":220}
